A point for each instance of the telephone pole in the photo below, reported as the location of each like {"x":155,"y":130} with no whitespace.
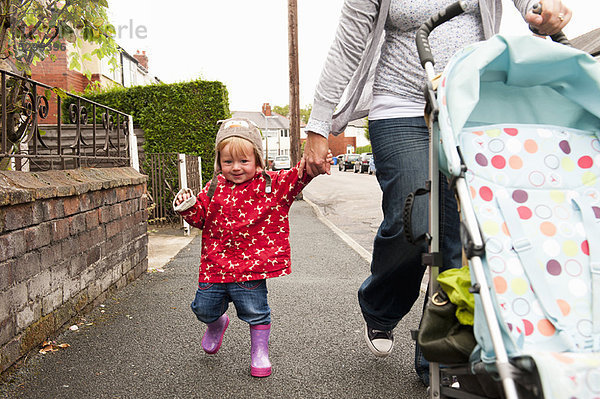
{"x":294,"y":81}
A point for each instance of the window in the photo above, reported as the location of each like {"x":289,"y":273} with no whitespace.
{"x":107,"y":70}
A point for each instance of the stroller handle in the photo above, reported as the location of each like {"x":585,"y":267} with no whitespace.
{"x":445,"y":15}
{"x":559,"y":37}
{"x":452,"y":11}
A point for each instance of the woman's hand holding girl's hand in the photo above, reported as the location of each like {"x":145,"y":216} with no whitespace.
{"x":302,"y":165}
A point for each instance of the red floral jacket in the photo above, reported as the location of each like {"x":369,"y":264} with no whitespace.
{"x":245,"y":230}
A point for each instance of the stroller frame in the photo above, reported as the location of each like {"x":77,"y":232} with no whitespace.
{"x":469,"y":219}
{"x":473,"y":245}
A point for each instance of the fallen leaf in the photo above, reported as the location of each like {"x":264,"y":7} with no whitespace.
{"x":51,"y":346}
{"x":74,"y":327}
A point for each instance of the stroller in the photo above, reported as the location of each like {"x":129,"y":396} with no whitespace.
{"x":515,"y":126}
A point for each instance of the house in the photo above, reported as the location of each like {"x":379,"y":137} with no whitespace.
{"x":346,"y":142}
{"x":274,"y":127}
{"x":132,"y":71}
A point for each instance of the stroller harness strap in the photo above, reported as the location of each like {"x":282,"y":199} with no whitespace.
{"x":524,"y":249}
{"x":592,"y":230}
{"x":548,"y":301}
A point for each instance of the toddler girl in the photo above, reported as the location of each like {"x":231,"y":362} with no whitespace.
{"x":243,"y":214}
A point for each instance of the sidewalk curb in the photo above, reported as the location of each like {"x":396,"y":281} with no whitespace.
{"x":360,"y":250}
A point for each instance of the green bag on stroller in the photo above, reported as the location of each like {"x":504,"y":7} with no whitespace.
{"x":446,"y":330}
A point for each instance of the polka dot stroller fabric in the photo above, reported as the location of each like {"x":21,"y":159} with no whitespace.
{"x":525,"y":115}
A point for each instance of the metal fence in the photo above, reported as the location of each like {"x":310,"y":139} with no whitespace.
{"x":35,"y":134}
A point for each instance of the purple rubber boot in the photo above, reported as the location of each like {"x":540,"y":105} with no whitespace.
{"x":259,"y":338}
{"x":213,"y":336}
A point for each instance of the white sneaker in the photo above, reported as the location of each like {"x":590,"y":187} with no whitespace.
{"x":379,"y":342}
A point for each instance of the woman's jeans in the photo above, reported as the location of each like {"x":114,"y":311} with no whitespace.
{"x":401,"y":150}
{"x":249,"y":298}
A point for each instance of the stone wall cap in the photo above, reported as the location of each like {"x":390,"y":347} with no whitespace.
{"x":18,"y":187}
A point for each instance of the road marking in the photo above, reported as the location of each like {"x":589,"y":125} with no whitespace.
{"x":359,"y":249}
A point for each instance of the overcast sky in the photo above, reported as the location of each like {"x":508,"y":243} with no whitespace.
{"x":244,"y":44}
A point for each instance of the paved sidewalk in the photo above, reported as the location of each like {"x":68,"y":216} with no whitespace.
{"x":164,"y":243}
{"x":145,"y":341}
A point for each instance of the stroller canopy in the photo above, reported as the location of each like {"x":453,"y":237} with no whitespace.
{"x":520,"y":79}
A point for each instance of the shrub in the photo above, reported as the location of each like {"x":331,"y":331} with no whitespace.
{"x":176,"y":118}
{"x":363,"y":149}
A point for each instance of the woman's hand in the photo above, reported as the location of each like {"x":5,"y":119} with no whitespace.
{"x":554,"y":17}
{"x":315,"y":154}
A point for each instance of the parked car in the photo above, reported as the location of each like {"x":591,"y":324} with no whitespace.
{"x":339,"y":159}
{"x":281,"y":162}
{"x":372,"y":165}
{"x":362,"y":165}
{"x":348,"y":161}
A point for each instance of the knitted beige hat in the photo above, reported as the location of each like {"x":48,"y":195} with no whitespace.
{"x":243,"y":128}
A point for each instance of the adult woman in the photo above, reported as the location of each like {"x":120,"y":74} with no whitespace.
{"x":394,"y":102}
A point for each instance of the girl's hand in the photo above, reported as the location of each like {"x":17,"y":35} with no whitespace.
{"x":301,"y":167}
{"x":329,"y":157}
{"x":182,"y":196}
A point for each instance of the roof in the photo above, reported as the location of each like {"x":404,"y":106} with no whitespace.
{"x":275,"y":121}
{"x":588,"y":42}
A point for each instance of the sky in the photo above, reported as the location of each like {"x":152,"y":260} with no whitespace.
{"x":244,"y":44}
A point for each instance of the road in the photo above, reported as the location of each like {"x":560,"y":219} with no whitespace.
{"x":351,"y":201}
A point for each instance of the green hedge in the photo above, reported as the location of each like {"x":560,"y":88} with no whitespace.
{"x":178,"y":117}
{"x":363,"y":149}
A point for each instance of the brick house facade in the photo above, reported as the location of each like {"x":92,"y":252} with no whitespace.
{"x":57,"y":74}
{"x":132,"y":71}
{"x":340,"y":144}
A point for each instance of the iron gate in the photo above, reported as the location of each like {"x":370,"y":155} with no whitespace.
{"x":167,"y":172}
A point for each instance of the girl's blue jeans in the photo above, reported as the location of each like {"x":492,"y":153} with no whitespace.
{"x":249,"y":298}
{"x":401,"y":150}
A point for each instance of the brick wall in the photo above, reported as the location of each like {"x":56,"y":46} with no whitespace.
{"x":338,"y":144}
{"x":67,"y":239}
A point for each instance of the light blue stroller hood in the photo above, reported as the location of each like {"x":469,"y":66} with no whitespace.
{"x":516,"y":79}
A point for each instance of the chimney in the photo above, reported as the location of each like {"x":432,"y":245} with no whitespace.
{"x":142,"y":58}
{"x":266,"y":109}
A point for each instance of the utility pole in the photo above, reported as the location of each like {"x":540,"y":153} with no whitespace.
{"x":294,"y":81}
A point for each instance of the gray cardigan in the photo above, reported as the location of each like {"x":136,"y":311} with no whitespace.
{"x":346,"y":81}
